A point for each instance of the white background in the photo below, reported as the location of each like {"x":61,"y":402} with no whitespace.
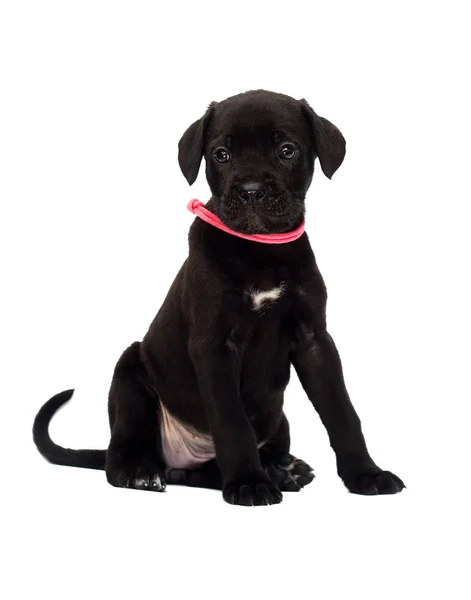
{"x":94,"y":98}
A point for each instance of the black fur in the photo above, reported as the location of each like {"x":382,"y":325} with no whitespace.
{"x":91,"y":459}
{"x":216,"y":363}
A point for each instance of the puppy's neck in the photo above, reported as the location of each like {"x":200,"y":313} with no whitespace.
{"x":234,"y":255}
{"x":199,"y":209}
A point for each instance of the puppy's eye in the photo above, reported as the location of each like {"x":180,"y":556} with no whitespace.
{"x":287,"y":151}
{"x":221,"y":155}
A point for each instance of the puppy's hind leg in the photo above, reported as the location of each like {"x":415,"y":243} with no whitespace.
{"x":133,"y":458}
{"x":288,"y":472}
{"x":207,"y":476}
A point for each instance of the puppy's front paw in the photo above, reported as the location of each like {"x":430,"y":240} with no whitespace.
{"x":372,"y":481}
{"x":252,"y":490}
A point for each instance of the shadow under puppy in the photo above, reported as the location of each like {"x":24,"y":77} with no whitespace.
{"x":199,"y":401}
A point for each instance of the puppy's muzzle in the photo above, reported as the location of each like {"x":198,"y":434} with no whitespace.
{"x":251,"y":192}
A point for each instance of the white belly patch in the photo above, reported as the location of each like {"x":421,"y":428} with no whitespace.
{"x":182,"y":446}
{"x":261,"y":299}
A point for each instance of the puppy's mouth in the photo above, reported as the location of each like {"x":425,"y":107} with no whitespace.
{"x":277,"y":212}
{"x":250,"y":222}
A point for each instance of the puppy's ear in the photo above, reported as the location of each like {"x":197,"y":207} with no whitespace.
{"x":191,"y":146}
{"x":328,"y":141}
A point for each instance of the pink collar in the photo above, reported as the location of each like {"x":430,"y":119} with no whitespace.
{"x":198,"y":209}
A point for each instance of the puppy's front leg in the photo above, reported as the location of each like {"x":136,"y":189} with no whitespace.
{"x":217,"y":364}
{"x":319,"y":369}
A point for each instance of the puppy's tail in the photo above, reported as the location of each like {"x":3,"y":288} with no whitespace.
{"x":90,"y":459}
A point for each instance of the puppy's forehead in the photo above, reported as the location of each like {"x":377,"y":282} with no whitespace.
{"x":251,"y":118}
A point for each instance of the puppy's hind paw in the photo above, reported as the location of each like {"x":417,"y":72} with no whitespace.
{"x":153,"y":483}
{"x":137,"y":478}
{"x":290,"y":473}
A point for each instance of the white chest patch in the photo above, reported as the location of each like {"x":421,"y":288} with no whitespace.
{"x":261,"y":299}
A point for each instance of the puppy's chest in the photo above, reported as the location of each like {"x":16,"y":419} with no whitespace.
{"x":270,"y":312}
{"x":267,"y":296}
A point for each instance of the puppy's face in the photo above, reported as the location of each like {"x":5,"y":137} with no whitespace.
{"x":260,"y":149}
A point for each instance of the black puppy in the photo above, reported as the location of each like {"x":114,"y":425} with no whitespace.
{"x":200,"y":400}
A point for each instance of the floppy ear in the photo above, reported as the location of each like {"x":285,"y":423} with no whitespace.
{"x":191,"y":146}
{"x":328,"y":141}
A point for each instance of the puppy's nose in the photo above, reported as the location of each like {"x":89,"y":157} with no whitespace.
{"x":251,"y":192}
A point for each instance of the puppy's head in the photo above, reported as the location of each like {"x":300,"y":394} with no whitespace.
{"x":260,"y":149}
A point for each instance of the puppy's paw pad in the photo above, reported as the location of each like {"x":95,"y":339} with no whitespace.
{"x":373,"y":483}
{"x":290,"y":473}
